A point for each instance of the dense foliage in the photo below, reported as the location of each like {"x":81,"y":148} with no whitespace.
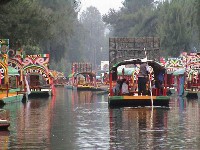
{"x":39,"y":26}
{"x":176,"y":22}
{"x":54,"y":26}
{"x":94,"y":44}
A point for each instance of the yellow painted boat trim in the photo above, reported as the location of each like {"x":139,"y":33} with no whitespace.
{"x":4,"y":94}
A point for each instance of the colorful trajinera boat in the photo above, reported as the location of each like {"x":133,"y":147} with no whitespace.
{"x":190,"y":63}
{"x":124,"y":56}
{"x":86,"y":81}
{"x":83,"y":78}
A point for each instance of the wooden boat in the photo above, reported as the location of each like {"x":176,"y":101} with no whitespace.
{"x":132,"y":51}
{"x":189,"y":62}
{"x":84,"y":81}
{"x":133,"y":99}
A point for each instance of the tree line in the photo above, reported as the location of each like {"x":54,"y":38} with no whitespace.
{"x":176,"y":22}
{"x":59,"y":28}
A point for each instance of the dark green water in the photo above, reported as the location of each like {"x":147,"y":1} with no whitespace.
{"x":81,"y":120}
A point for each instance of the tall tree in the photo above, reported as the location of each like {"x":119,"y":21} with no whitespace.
{"x":176,"y":22}
{"x":3,"y":2}
{"x":45,"y":25}
{"x":95,"y":29}
{"x":176,"y":26}
{"x":132,"y":6}
{"x":136,"y":18}
{"x":61,"y":29}
{"x":25,"y":23}
{"x":197,"y":4}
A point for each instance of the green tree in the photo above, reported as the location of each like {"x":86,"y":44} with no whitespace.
{"x":95,"y":34}
{"x":176,"y":26}
{"x":176,"y":22}
{"x":3,"y":2}
{"x":136,"y":18}
{"x":29,"y":50}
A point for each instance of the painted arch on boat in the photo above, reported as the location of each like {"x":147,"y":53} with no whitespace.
{"x":34,"y":69}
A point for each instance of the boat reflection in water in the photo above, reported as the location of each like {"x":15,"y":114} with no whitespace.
{"x":30,"y":124}
{"x":162,"y":128}
{"x":131,"y":126}
{"x":4,"y":139}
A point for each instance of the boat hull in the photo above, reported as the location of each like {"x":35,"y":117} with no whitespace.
{"x":39,"y":94}
{"x":89,"y":88}
{"x":136,"y":101}
{"x":192,"y":94}
{"x":4,"y":124}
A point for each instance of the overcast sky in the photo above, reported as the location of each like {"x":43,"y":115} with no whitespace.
{"x":102,"y":5}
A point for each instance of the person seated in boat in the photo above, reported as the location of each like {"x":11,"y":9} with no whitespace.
{"x":116,"y":89}
{"x":159,"y":81}
{"x":125,"y":89}
{"x":142,"y":79}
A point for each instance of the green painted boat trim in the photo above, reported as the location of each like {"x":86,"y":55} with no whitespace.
{"x":12,"y":99}
{"x":14,"y":90}
{"x":162,"y":97}
{"x":116,"y":98}
{"x":120,"y":98}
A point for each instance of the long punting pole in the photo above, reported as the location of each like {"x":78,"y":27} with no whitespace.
{"x":110,"y":80}
{"x":149,"y":81}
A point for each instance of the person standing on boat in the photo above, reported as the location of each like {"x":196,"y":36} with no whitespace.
{"x":142,"y":79}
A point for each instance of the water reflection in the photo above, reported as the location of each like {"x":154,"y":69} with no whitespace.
{"x":4,"y":138}
{"x":82,"y":120}
{"x":129,"y":126}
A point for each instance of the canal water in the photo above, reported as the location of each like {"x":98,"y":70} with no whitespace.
{"x":74,"y":120}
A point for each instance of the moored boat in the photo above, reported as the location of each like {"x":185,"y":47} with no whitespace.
{"x":85,"y":81}
{"x":132,"y":98}
{"x":134,"y":51}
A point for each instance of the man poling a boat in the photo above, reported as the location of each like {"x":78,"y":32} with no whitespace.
{"x":142,"y":79}
{"x":143,"y":74}
{"x":148,"y":72}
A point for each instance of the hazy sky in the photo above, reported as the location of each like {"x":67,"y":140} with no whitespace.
{"x":102,"y":5}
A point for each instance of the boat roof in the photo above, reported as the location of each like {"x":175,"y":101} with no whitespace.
{"x":155,"y":65}
{"x":86,"y":73}
{"x":151,"y":63}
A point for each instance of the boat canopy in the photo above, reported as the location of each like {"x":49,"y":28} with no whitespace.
{"x":12,"y":71}
{"x":180,"y":71}
{"x":86,"y":73}
{"x":70,"y":75}
{"x":127,"y":71}
{"x":157,"y":67}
